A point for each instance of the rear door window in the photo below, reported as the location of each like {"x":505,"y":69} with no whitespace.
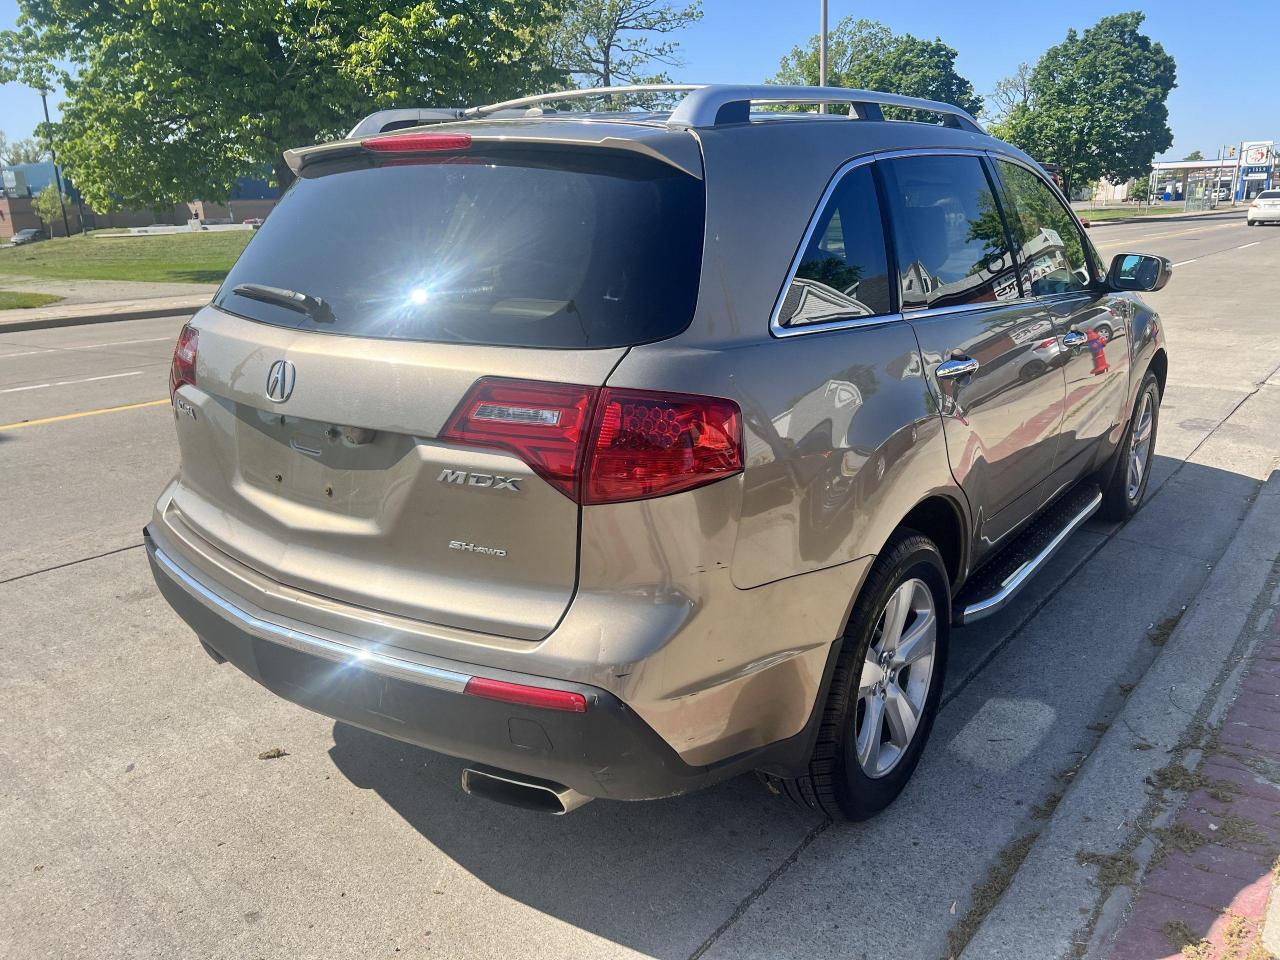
{"x":1049,"y":245}
{"x":949,"y":232}
{"x":562,"y":249}
{"x":844,"y":269}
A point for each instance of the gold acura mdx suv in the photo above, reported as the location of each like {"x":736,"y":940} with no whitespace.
{"x":620,"y":453}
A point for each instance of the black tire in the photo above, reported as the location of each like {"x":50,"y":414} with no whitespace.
{"x":836,"y":783}
{"x":1120,"y":498}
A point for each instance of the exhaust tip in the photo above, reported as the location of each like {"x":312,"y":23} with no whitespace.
{"x":518,"y":790}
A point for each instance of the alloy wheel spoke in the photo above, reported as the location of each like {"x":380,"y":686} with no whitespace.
{"x":868,"y":743}
{"x":917,"y":642}
{"x":901,"y":716}
{"x":1144,"y":429}
{"x":872,"y":673}
{"x":895,"y":616}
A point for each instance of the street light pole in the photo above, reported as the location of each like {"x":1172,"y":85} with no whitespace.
{"x":822,"y":50}
{"x":53,"y":155}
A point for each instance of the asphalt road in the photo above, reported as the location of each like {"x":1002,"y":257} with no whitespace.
{"x":137,"y":821}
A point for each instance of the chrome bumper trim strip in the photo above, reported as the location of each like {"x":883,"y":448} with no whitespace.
{"x":340,"y":653}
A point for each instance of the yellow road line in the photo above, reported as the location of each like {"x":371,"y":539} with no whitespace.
{"x":77,"y":416}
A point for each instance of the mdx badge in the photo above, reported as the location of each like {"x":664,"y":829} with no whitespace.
{"x":492,"y":481}
{"x":280,"y":379}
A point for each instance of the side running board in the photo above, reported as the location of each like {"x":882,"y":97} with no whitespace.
{"x":992,"y":588}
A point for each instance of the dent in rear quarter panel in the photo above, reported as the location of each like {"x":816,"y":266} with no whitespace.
{"x":695,"y":598}
{"x":843,"y":438}
{"x":714,"y":670}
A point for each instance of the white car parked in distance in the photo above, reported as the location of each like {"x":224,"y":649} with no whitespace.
{"x":1265,"y":208}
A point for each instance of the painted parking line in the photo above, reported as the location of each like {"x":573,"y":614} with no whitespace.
{"x":67,"y":383}
{"x":1147,"y":238}
{"x":86,"y":346}
{"x":86,"y":413}
{"x":1246,"y":246}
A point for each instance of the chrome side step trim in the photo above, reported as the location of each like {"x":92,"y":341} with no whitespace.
{"x":340,"y":653}
{"x":1018,"y":579}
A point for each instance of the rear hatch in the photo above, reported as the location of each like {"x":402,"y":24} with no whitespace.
{"x":390,"y":293}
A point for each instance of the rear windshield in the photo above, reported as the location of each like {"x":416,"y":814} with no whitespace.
{"x":1269,"y":195}
{"x":567,"y":250}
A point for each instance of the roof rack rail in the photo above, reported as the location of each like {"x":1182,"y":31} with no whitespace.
{"x":719,"y":104}
{"x":385,"y":121}
{"x":589,"y":92}
{"x":703,"y":106}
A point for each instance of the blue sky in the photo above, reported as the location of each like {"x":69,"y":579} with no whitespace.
{"x":1227,"y":91}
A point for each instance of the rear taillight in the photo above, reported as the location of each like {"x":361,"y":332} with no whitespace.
{"x":603,"y":445}
{"x":527,"y":696}
{"x":541,"y":423}
{"x":183,"y":368}
{"x":417,"y":142}
{"x":651,"y":444}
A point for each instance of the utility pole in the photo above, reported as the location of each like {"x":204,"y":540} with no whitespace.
{"x":1236,"y":189}
{"x":822,"y":50}
{"x":53,"y":155}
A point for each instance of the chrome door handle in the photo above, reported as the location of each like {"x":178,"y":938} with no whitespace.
{"x":1074,"y":339}
{"x":959,"y":367}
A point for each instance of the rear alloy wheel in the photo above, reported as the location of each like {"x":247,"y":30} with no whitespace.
{"x":897,"y":673}
{"x":1123,"y":493}
{"x":885,"y":687}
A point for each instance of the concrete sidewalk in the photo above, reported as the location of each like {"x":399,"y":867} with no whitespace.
{"x":1119,"y":871}
{"x":100,"y":301}
{"x":73,"y":314}
{"x":1208,"y":895}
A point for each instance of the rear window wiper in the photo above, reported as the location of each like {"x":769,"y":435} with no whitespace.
{"x":314,"y":307}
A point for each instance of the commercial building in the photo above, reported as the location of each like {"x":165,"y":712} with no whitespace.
{"x":20,"y":183}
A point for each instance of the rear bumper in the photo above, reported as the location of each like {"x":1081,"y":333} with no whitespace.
{"x":608,"y":751}
{"x":1265,"y":215}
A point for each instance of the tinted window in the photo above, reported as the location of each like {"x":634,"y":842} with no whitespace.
{"x":1269,"y":195}
{"x":950,"y":237}
{"x":1049,"y":245}
{"x":565,"y":249}
{"x":844,"y":271}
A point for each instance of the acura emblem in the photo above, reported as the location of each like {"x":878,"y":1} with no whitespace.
{"x":280,"y":381}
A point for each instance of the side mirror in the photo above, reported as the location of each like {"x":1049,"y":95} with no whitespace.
{"x":1138,"y":271}
{"x":1085,"y":223}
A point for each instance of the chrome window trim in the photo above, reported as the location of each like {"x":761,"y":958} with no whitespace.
{"x":1094,"y":256}
{"x":340,"y":653}
{"x":776,"y":327}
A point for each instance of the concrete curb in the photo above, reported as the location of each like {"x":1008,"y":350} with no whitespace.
{"x":1053,"y":898}
{"x":50,"y":318}
{"x":1162,"y":218}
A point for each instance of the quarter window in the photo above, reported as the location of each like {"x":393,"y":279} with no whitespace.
{"x":1051,"y":253}
{"x":844,"y":270}
{"x":949,"y":233}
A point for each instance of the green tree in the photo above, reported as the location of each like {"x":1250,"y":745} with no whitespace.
{"x":167,"y":100}
{"x":600,"y":42}
{"x":21,"y":151}
{"x":47,"y":205}
{"x":867,"y":55}
{"x":1194,"y":155}
{"x":1098,"y":103}
{"x":1009,"y":94}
